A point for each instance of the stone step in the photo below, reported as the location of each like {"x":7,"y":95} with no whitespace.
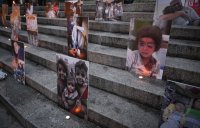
{"x":100,"y":75}
{"x":182,"y":70}
{"x":106,"y":26}
{"x":104,"y":38}
{"x":55,"y":43}
{"x":126,"y":15}
{"x":184,"y":49}
{"x":134,"y":7}
{"x":185,"y":32}
{"x":117,"y":58}
{"x":34,"y":110}
{"x":7,"y":120}
{"x":104,"y":108}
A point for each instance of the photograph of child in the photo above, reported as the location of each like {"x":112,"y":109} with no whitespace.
{"x":77,"y":37}
{"x":52,"y":9}
{"x":15,"y":22}
{"x":32,"y":29}
{"x":4,"y":14}
{"x":109,"y":10}
{"x":181,"y":106}
{"x":73,"y":8}
{"x":141,"y":57}
{"x":18,"y":61}
{"x":72,"y":84}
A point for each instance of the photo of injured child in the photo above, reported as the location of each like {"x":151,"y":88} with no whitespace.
{"x":181,"y":106}
{"x":109,"y":10}
{"x":145,"y":56}
{"x":78,"y":37}
{"x":72,"y":84}
{"x":18,"y":61}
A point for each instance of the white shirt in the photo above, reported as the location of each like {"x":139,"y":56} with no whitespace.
{"x":77,"y":37}
{"x":135,"y":65}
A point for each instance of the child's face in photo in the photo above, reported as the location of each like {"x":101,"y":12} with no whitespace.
{"x":80,"y":76}
{"x":61,"y":72}
{"x":70,"y":87}
{"x":146,"y":47}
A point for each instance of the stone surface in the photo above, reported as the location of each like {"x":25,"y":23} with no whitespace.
{"x":185,"y":32}
{"x":105,"y":104}
{"x":184,"y":49}
{"x":36,"y":110}
{"x":182,"y":70}
{"x":7,"y":120}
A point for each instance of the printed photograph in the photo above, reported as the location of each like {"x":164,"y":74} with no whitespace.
{"x":52,"y":9}
{"x":72,"y":84}
{"x":18,"y":61}
{"x":15,"y":22}
{"x":109,"y":10}
{"x":32,"y":29}
{"x":73,"y":8}
{"x":77,"y":36}
{"x":181,"y":106}
{"x":4,"y":14}
{"x":144,"y":53}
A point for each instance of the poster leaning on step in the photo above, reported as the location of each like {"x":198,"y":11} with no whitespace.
{"x":15,"y":22}
{"x":4,"y":14}
{"x":181,"y":106}
{"x":77,"y":37}
{"x":109,"y":10}
{"x":148,"y":43}
{"x":32,"y":29}
{"x":18,"y":61}
{"x":72,"y":84}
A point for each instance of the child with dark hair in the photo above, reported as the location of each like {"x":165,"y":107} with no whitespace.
{"x":142,"y":61}
{"x":82,"y":87}
{"x":70,"y":94}
{"x":62,"y":73}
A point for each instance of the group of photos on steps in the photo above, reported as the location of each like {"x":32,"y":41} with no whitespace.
{"x":146,"y":53}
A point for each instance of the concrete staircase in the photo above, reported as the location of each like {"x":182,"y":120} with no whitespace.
{"x":116,"y":98}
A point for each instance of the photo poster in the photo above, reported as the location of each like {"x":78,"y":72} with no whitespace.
{"x":181,"y":106}
{"x":18,"y":61}
{"x":73,"y":8}
{"x":52,"y":9}
{"x":4,"y":14}
{"x":77,"y":37}
{"x":32,"y":29}
{"x":15,"y":22}
{"x":109,"y":10}
{"x":72,"y":84}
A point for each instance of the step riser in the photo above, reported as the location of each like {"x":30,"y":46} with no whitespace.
{"x":188,"y":34}
{"x":188,"y":52}
{"x":109,"y":27}
{"x":182,"y":76}
{"x":139,"y":7}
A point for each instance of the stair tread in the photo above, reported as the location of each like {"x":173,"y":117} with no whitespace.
{"x":131,"y":113}
{"x":184,"y":64}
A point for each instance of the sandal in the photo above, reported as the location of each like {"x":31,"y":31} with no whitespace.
{"x":3,"y":75}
